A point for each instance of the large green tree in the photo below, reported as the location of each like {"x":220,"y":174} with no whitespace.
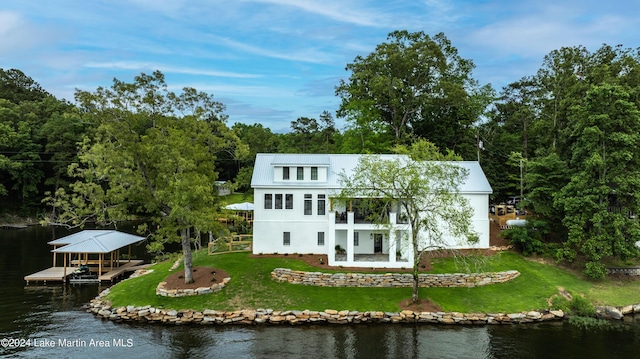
{"x":153,"y":154}
{"x":414,"y":85}
{"x":603,"y":190}
{"x":424,"y":184}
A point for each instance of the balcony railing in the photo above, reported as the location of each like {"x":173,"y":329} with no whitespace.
{"x":341,"y":217}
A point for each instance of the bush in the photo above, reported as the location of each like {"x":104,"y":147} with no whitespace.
{"x":527,"y":239}
{"x":595,"y":270}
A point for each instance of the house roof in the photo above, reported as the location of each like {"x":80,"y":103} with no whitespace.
{"x":244,"y":206}
{"x":263,"y":170}
{"x":95,"y":241}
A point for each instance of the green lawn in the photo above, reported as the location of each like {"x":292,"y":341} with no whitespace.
{"x":251,"y":287}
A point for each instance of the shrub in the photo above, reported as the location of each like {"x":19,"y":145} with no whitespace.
{"x":526,"y":238}
{"x":578,"y":306}
{"x":595,"y":270}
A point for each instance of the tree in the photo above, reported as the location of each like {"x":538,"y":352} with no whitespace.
{"x":424,"y":183}
{"x":17,"y":87}
{"x":309,"y":135}
{"x":414,"y":84}
{"x":259,"y":139}
{"x":602,"y":193}
{"x":20,"y":162}
{"x":146,"y":159}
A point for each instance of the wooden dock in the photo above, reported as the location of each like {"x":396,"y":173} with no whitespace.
{"x":56,"y":274}
{"x":115,"y":272}
{"x":53,"y":274}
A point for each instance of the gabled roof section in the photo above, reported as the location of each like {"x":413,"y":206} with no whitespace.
{"x":263,"y":170}
{"x":95,"y":241}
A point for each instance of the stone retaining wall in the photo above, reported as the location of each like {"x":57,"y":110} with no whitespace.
{"x":631,"y":271}
{"x":390,"y":279}
{"x":148,"y":314}
{"x":160,"y":290}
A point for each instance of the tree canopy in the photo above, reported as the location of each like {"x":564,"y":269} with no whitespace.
{"x":153,"y":154}
{"x":414,"y":85}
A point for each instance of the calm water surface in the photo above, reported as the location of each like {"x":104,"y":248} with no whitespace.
{"x":52,"y":317}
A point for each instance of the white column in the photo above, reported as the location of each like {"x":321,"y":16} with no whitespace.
{"x":392,"y":237}
{"x":350,"y":248}
{"x":331,"y":239}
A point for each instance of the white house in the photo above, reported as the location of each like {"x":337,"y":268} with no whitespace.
{"x":294,"y":212}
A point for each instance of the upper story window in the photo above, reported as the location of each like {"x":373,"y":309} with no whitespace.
{"x":300,"y":173}
{"x":288,"y":201}
{"x":307,"y":204}
{"x":268,"y":201}
{"x":321,"y":205}
{"x":314,"y":173}
{"x":285,"y":173}
{"x":278,"y":202}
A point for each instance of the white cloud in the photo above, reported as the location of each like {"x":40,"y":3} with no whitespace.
{"x":130,"y":65}
{"x":310,"y":55}
{"x":334,"y":10}
{"x":17,"y":34}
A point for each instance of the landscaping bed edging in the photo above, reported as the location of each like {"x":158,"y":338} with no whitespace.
{"x":391,"y":279}
{"x":161,"y":290}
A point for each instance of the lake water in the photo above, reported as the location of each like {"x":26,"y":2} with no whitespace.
{"x":50,"y":319}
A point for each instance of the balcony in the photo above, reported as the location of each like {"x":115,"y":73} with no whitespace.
{"x":342,"y":217}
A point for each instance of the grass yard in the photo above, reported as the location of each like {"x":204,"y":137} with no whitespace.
{"x":251,"y":287}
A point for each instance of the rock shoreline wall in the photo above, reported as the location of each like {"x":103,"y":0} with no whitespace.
{"x":148,"y":314}
{"x":391,"y":279}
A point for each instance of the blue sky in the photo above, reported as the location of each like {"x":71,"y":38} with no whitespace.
{"x":272,"y":61}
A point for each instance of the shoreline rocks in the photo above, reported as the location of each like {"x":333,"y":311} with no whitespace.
{"x":249,"y":317}
{"x":151,"y":315}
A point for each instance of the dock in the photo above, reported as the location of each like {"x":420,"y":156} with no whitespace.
{"x":116,"y":272}
{"x":57,"y":274}
{"x":53,"y":274}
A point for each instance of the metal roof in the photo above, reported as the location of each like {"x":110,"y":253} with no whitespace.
{"x":244,"y":206}
{"x":263,"y":170}
{"x":95,"y":241}
{"x":294,"y":159}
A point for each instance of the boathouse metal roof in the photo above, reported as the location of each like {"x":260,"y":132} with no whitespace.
{"x":95,"y":241}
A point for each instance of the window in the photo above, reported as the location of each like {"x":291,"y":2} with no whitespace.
{"x":285,"y":173}
{"x":300,"y":173}
{"x":321,"y":238}
{"x":288,"y":201}
{"x":286,"y":238}
{"x":268,"y":199}
{"x":321,"y":205}
{"x":314,"y":173}
{"x":278,"y":201}
{"x":356,"y":239}
{"x":307,"y":204}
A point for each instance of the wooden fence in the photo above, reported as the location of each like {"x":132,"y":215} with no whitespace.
{"x":234,"y":243}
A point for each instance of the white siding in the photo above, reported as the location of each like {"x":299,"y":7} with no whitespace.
{"x":270,"y":224}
